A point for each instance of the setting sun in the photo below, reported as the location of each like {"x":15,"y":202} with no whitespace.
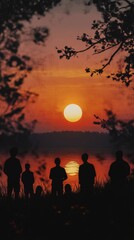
{"x":72,"y":113}
{"x":72,"y":168}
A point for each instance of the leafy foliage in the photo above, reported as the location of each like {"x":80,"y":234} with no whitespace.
{"x":121,"y":132}
{"x":114,"y":32}
{"x":14,"y":68}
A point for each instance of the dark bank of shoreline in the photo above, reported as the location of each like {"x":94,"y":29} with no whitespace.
{"x":57,"y":140}
{"x":36,"y":144}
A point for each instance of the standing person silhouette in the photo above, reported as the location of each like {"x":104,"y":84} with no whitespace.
{"x":13,"y":169}
{"x":28,"y":181}
{"x":86,"y":175}
{"x":119,"y":171}
{"x":57,"y":175}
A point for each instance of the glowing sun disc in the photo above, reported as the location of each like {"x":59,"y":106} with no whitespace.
{"x":72,"y":113}
{"x":72,"y":168}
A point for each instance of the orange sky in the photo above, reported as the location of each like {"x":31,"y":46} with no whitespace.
{"x":61,"y":82}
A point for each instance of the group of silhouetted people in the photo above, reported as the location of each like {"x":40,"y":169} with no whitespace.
{"x":13,"y":170}
{"x":118,"y":173}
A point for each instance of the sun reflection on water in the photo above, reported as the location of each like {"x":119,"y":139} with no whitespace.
{"x":72,"y":168}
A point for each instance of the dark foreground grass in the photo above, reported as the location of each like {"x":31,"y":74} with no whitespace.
{"x":105,"y":214}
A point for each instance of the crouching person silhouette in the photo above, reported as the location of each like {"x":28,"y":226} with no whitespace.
{"x":13,"y":169}
{"x":28,"y":181}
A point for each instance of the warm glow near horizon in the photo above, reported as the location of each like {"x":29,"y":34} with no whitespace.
{"x":59,"y":82}
{"x":72,"y":113}
{"x":72,"y":168}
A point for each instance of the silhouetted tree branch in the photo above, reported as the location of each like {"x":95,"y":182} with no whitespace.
{"x":15,"y":68}
{"x":121,"y":132}
{"x":115,"y":31}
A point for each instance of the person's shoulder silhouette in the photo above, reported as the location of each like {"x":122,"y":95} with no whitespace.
{"x":28,"y":181}
{"x":57,"y":175}
{"x":27,"y":175}
{"x":86,"y":174}
{"x":68,"y":196}
{"x":38,"y":192}
{"x":68,"y":191}
{"x":12,"y":166}
{"x":86,"y":169}
{"x":119,"y":169}
{"x":13,"y":169}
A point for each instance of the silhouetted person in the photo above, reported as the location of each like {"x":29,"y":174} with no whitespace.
{"x":38,"y":192}
{"x":13,"y":169}
{"x":68,"y":197}
{"x":28,"y":181}
{"x":57,"y":175}
{"x":86,"y":175}
{"x":119,"y":171}
{"x":68,"y":189}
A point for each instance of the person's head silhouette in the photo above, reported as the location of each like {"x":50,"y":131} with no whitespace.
{"x":84,"y":157}
{"x":57,"y":161}
{"x":119,"y":155}
{"x":68,"y":188}
{"x":38,"y":191}
{"x":27,"y":166}
{"x":13,"y":151}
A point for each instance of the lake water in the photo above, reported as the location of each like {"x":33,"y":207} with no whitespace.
{"x":70,"y":160}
